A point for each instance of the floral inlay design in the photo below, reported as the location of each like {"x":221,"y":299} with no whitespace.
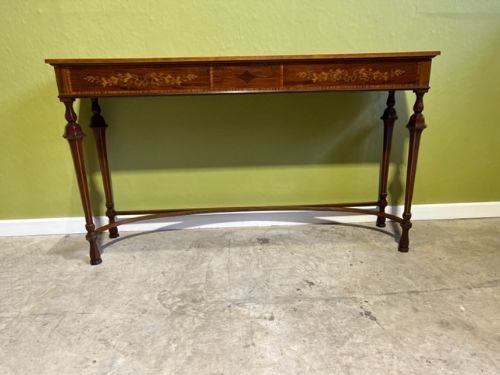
{"x":356,"y":75}
{"x":138,"y":81}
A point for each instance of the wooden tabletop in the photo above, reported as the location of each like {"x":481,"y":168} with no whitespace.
{"x":268,"y":58}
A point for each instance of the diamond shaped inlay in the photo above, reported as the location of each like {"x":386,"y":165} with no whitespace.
{"x":247,"y":76}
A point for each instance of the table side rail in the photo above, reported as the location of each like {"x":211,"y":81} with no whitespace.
{"x":241,"y":77}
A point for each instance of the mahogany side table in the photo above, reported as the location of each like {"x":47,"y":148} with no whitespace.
{"x":94,"y":78}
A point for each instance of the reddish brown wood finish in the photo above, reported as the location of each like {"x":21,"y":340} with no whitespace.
{"x":389,"y":117}
{"x":415,"y":126}
{"x":156,"y":214}
{"x":82,"y":78}
{"x":245,"y":76}
{"x":260,"y":58}
{"x":119,"y":77}
{"x":99,"y":126}
{"x":74,"y":134}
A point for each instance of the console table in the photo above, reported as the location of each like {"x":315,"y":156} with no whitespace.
{"x":94,"y":78}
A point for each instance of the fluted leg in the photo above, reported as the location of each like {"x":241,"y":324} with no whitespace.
{"x":74,"y":134}
{"x":415,"y":126}
{"x":389,"y":117}
{"x":99,"y":126}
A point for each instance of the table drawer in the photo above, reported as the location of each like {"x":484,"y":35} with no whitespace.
{"x":353,"y":75}
{"x":136,"y":80}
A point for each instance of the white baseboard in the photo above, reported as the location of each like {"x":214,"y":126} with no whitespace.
{"x":68,"y":225}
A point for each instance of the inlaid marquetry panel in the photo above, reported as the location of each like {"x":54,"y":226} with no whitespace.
{"x":254,"y":76}
{"x":357,"y":75}
{"x":140,"y":79}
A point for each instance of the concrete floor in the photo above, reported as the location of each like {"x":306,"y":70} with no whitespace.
{"x":309,"y":299}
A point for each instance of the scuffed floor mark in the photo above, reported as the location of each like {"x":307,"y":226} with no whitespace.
{"x":269,"y":317}
{"x":367,"y":314}
{"x":263,"y":241}
{"x":254,"y":311}
{"x":309,"y":283}
{"x":188,"y":303}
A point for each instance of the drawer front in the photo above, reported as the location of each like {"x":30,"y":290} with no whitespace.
{"x":241,"y":77}
{"x":136,"y":80}
{"x":346,"y":76}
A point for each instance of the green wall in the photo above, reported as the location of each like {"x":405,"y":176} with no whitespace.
{"x":248,"y":149}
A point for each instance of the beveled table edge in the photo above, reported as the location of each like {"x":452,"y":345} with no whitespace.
{"x":263,"y":58}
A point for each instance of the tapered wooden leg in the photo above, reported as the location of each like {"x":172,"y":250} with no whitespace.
{"x":415,"y":126}
{"x":99,"y":126}
{"x":74,"y":134}
{"x":389,"y":117}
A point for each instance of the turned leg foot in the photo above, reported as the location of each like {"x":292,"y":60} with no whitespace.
{"x":95,"y":262}
{"x":113,"y":233}
{"x":380,"y":222}
{"x":111,"y":214}
{"x":382,"y":203}
{"x":95,"y":254}
{"x":404,"y":240}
